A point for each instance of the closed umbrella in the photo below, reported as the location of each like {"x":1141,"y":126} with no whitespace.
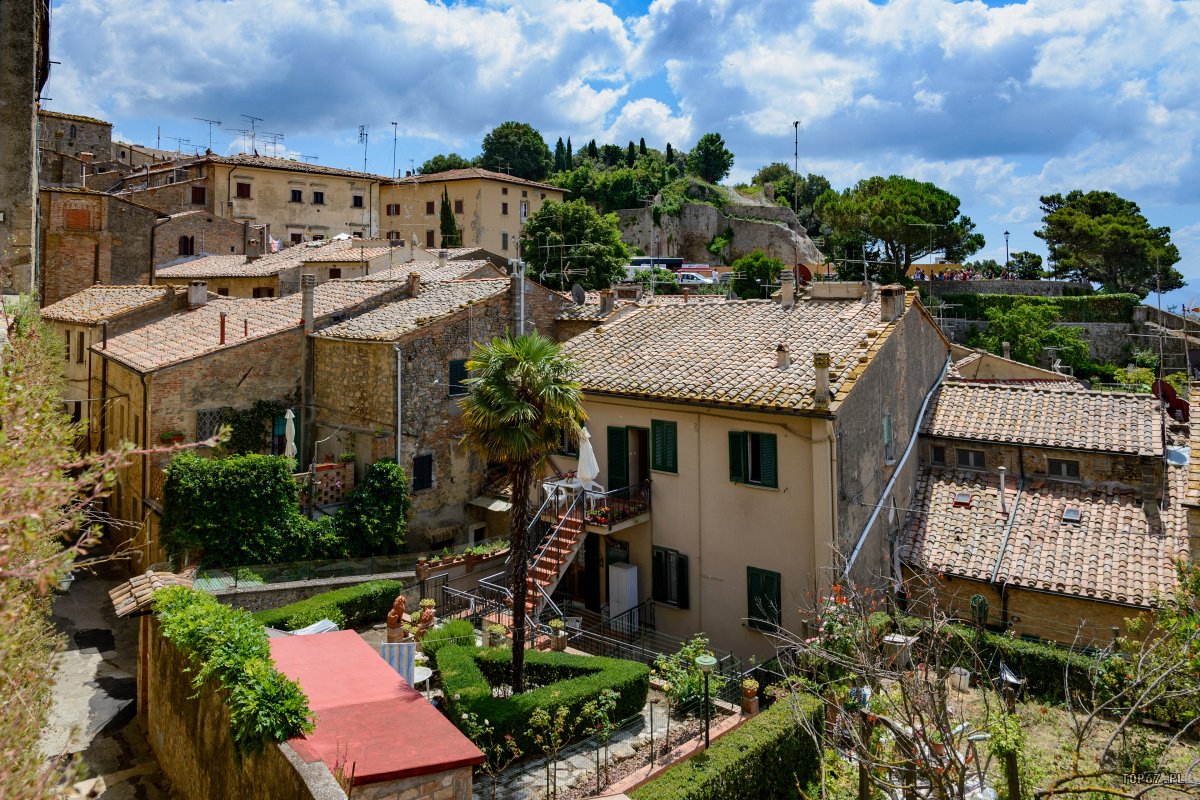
{"x":289,"y":434}
{"x":588,"y":470}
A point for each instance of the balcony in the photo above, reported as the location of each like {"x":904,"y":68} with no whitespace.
{"x":604,"y":512}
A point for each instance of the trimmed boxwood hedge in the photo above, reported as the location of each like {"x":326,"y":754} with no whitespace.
{"x":1093,"y":308}
{"x":769,"y":756}
{"x":555,"y":679}
{"x":349,"y":607}
{"x":455,"y":632}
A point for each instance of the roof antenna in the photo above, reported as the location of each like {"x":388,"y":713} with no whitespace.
{"x":363,"y":135}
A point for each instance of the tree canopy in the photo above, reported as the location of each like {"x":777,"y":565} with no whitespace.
{"x":518,"y":148}
{"x":710,"y":159}
{"x":444,"y":163}
{"x":755,"y":270}
{"x":451,"y":237}
{"x":1028,"y":266}
{"x":1100,"y":237}
{"x":566,"y":243}
{"x":906,"y":218}
{"x":1030,"y":329}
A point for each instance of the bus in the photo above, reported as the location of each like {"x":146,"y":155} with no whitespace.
{"x":648,"y":262}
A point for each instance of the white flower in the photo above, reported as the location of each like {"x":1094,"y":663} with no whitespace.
{"x":464,"y":715}
{"x":457,"y":696}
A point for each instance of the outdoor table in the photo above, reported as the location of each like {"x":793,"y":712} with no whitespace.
{"x":422,"y":675}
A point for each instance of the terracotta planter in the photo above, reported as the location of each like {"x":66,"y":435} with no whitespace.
{"x":422,"y":570}
{"x":939,"y":748}
{"x":558,"y":641}
{"x":749,"y":694}
{"x":472,"y":560}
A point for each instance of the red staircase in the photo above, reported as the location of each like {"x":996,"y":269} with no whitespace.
{"x":553,"y":557}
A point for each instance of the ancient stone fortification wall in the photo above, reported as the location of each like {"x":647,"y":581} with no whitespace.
{"x":688,"y":235}
{"x":1107,"y":341}
{"x":191,"y":740}
{"x":1031,"y":288}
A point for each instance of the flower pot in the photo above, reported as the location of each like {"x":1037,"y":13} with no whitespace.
{"x":558,"y":641}
{"x":939,"y":748}
{"x":748,"y":694}
{"x":64,"y":583}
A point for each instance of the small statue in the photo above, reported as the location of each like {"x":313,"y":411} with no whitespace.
{"x":395,"y":619}
{"x":426,"y":619}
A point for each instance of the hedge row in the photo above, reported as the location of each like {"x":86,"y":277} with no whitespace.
{"x":456,"y":632}
{"x":1093,"y":308}
{"x":554,"y":679}
{"x":769,"y":756}
{"x":229,"y":647}
{"x":349,"y":607}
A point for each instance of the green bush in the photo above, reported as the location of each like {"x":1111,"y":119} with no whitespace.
{"x":458,"y":632}
{"x":769,"y":756}
{"x":227,"y":646}
{"x":349,"y":607}
{"x":554,"y":679}
{"x":373,"y":521}
{"x":1092,"y":308}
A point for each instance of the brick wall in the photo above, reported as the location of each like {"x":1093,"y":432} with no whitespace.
{"x":208,"y":234}
{"x":233,"y":287}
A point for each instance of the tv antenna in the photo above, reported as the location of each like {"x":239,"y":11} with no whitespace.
{"x":179,"y":141}
{"x":252,"y":120}
{"x":273,"y":140}
{"x":210,"y":122}
{"x":364,"y":133}
{"x":245,"y":132}
{"x":929,"y":226}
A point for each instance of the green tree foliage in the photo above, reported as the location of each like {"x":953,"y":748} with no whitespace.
{"x":614,"y":188}
{"x":891,"y":213}
{"x":249,"y":428}
{"x":670,"y":154}
{"x":1028,"y":266}
{"x":771,"y":173}
{"x":522,"y":399}
{"x":988,"y":267}
{"x":710,"y":159}
{"x":592,"y":151}
{"x":1029,"y":330}
{"x":755,"y":270}
{"x":664,"y":280}
{"x":569,"y":162}
{"x":642,"y":146}
{"x":1100,"y":237}
{"x":560,"y":155}
{"x":375,"y":518}
{"x":630,"y":155}
{"x":678,"y":671}
{"x":447,"y":224}
{"x":517,"y":146}
{"x":444,"y":163}
{"x":574,"y":238}
{"x":611,"y":155}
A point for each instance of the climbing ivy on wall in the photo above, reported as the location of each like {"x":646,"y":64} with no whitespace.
{"x":249,"y":428}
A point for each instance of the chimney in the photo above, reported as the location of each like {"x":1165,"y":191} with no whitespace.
{"x":222,"y":327}
{"x":1003,"y":490}
{"x":308,"y":285}
{"x":821,"y":362}
{"x":607,"y":301}
{"x":686,"y":294}
{"x":245,"y":328}
{"x":787,"y":288}
{"x":442,"y":258}
{"x":197,"y":294}
{"x":891,"y":302}
{"x":783,"y":357}
{"x":1006,"y":349}
{"x":86,"y":158}
{"x":253,"y":249}
{"x":868,"y":291}
{"x":104,"y":335}
{"x":414,"y":284}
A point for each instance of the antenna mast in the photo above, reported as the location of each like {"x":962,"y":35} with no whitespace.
{"x":363,"y":135}
{"x":210,"y":122}
{"x":252,"y":121}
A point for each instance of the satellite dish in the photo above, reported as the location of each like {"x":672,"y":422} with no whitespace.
{"x":578,"y":294}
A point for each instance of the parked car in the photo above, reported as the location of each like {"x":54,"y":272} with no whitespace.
{"x":691,"y":279}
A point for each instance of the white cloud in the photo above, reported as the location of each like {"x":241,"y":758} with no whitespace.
{"x":652,"y":119}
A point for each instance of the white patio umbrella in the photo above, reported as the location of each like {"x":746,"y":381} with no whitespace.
{"x":289,"y":434}
{"x":588,"y":470}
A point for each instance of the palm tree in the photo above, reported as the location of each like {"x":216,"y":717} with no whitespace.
{"x":521,"y":401}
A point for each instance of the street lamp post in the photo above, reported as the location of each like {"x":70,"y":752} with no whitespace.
{"x":1006,"y":249}
{"x":706,"y":663}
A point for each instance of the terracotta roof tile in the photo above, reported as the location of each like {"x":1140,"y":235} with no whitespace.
{"x":1073,"y":420}
{"x":432,"y":272}
{"x":236,"y":266}
{"x":471,"y":173}
{"x":98,"y":303}
{"x":391,"y":321}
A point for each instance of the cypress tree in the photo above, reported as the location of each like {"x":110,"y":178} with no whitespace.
{"x":449,"y":227}
{"x":670,"y":154}
{"x":642,"y":145}
{"x":570,"y":155}
{"x":560,"y":156}
{"x":630,"y":155}
{"x":592,"y":150}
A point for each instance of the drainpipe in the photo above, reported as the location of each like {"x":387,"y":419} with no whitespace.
{"x":399,"y":401}
{"x":103,"y":389}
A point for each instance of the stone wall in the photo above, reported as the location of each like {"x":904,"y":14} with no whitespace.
{"x":90,"y":136}
{"x":1107,"y":341}
{"x":1138,"y":472}
{"x":1029,"y":288}
{"x":688,"y":235}
{"x":170,"y":198}
{"x":208,"y":235}
{"x":896,"y":382}
{"x":452,"y":784}
{"x":191,"y":740}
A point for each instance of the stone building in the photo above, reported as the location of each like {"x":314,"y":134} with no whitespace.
{"x":24,"y":70}
{"x":199,"y":233}
{"x":403,"y":365}
{"x":91,"y":237}
{"x":1053,"y":509}
{"x":74,"y":134}
{"x":178,"y":374}
{"x":490,"y":208}
{"x":767,"y":443}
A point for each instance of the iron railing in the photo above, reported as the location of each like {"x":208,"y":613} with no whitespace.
{"x":606,"y":509}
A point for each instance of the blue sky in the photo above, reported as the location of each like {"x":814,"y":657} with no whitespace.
{"x":998,"y":103}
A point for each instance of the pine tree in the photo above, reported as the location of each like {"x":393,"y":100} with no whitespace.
{"x":642,"y":146}
{"x":570,"y":155}
{"x":592,"y":150}
{"x":560,"y":156}
{"x":449,"y":227}
{"x":630,"y":155}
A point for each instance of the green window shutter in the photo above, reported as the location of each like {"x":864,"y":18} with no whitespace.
{"x":769,"y":460}
{"x":663,"y":453}
{"x":681,"y":580}
{"x":659,"y":575}
{"x":763,"y":598}
{"x":618,"y":458}
{"x":737,"y":457}
{"x":458,"y":374}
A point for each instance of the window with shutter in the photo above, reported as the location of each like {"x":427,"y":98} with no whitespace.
{"x":243,"y":191}
{"x":669,"y":570}
{"x":458,"y":374}
{"x":753,"y":459}
{"x":737,"y":457}
{"x":422,"y":473}
{"x":618,"y":458}
{"x":763,"y":598}
{"x":297,"y":196}
{"x":663,"y":448}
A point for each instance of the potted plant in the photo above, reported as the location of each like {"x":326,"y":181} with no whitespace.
{"x":749,"y":696}
{"x":935,"y":742}
{"x":348,"y":457}
{"x":172,"y":437}
{"x":558,"y":635}
{"x":496,"y":635}
{"x":472,"y":554}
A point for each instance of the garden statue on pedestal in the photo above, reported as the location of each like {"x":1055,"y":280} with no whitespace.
{"x":395,"y":620}
{"x":426,"y":620}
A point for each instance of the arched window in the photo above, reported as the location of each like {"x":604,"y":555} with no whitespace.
{"x":187,"y":245}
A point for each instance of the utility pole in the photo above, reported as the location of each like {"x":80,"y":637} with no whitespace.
{"x":363,"y":136}
{"x":1006,"y":249}
{"x":210,"y":122}
{"x":395,"y":134}
{"x":796,"y":170}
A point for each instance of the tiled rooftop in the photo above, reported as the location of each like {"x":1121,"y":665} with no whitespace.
{"x":236,"y":266}
{"x":1081,"y":420}
{"x":724,"y":353}
{"x":193,"y":333}
{"x":393,"y":320}
{"x":350,"y":253}
{"x":98,"y":303}
{"x":76,"y":117}
{"x":431,"y":272}
{"x":1117,"y":552}
{"x":1192,"y":495}
{"x":268,"y":162}
{"x":472,"y":173}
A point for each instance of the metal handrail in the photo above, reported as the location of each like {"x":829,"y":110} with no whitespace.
{"x":550,"y":539}
{"x":615,"y":498}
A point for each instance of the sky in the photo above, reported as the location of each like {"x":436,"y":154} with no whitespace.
{"x":998,"y":103}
